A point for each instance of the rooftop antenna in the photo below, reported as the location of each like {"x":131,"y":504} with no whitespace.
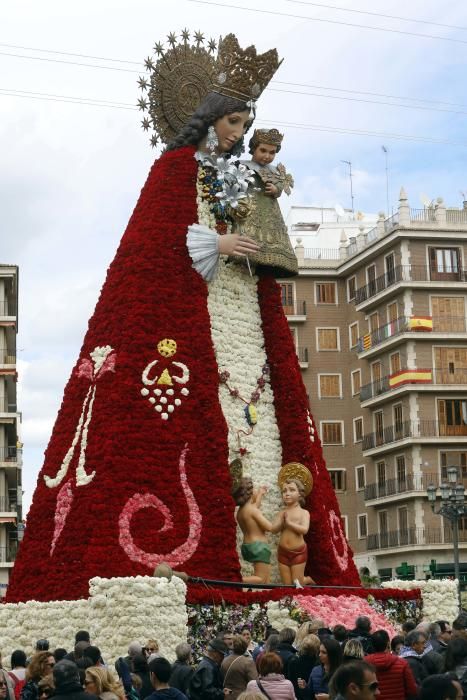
{"x":385,"y":151}
{"x":347,"y":162}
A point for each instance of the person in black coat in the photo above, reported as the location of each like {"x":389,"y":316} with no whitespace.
{"x":181,"y":670}
{"x":300,"y":666}
{"x":362,"y":632}
{"x":206,"y":682}
{"x":67,"y":683}
{"x":285,"y":649}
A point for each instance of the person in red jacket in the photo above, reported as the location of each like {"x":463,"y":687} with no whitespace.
{"x":395,"y":678}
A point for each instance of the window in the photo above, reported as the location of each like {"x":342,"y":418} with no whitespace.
{"x":398,"y":421}
{"x":287,"y":296}
{"x":328,"y":338}
{"x":452,"y":416}
{"x":325,"y":293}
{"x":444,"y":263}
{"x":383,"y":528}
{"x":395,"y":360}
{"x":337,"y":479}
{"x":448,"y":314}
{"x":379,"y":427}
{"x":360,"y":477}
{"x":453,"y":459}
{"x":351,"y":288}
{"x":390,"y":265}
{"x":357,"y":429}
{"x":381,"y":473}
{"x":393,"y":312}
{"x":330,"y":386}
{"x":353,"y":334}
{"x":401,"y":473}
{"x":371,"y":277}
{"x":362,"y":525}
{"x":403,"y":522}
{"x":356,"y":377}
{"x":373,"y":320}
{"x":345,"y":525}
{"x":332,"y":432}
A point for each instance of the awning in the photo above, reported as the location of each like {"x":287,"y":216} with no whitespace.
{"x":8,"y":520}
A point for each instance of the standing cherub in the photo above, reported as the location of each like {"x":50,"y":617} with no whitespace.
{"x":254,"y":525}
{"x":293,"y":524}
{"x":264,"y":223}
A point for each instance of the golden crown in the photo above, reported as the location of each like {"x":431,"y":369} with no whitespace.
{"x":270,"y":136}
{"x":243,"y":73}
{"x":185,"y":72}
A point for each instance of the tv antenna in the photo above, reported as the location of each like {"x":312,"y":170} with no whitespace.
{"x":348,"y":162}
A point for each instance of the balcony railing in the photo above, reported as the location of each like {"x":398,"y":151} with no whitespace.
{"x":408,"y":273}
{"x":7,"y":554}
{"x":6,"y":506}
{"x":408,"y":324}
{"x":393,"y":487}
{"x":7,"y":406}
{"x":411,"y":429}
{"x":412,"y":536}
{"x":431,"y":375}
{"x":322,"y":254}
{"x":7,"y":356}
{"x":456,"y":216}
{"x":7,"y":307}
{"x":297,"y":308}
{"x":10,"y":454}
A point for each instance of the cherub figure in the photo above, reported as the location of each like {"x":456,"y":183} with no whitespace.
{"x":293,"y":523}
{"x":264,"y":223}
{"x":254,"y":525}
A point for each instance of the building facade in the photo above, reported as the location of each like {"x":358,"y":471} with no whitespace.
{"x":10,"y":445}
{"x":381,"y":334}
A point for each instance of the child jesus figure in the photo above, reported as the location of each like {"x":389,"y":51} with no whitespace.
{"x":293,"y":523}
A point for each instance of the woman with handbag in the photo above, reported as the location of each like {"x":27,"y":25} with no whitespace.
{"x":272,"y":682}
{"x":238,"y":668}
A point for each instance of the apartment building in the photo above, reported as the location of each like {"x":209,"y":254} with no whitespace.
{"x":381,"y":333}
{"x":10,"y":445}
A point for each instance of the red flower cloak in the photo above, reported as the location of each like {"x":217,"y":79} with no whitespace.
{"x":121,"y":488}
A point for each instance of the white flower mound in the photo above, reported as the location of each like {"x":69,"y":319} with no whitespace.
{"x":279,"y":617}
{"x":439,"y":596}
{"x":239,"y":345}
{"x":118,"y":611}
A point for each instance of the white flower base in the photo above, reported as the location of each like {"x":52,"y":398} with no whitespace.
{"x":439,"y":596}
{"x":117,"y":612}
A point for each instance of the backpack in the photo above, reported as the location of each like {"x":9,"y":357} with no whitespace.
{"x":17,"y":684}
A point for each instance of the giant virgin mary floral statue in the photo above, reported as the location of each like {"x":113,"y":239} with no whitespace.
{"x":188,"y":364}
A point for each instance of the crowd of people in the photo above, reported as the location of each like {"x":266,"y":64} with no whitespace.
{"x":425,"y":662}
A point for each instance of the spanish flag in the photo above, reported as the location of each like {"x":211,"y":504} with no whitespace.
{"x":410,"y":376}
{"x":420,"y":323}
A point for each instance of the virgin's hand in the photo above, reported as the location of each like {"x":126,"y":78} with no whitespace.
{"x":235,"y":244}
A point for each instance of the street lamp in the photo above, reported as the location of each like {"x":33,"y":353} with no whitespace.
{"x":453,"y":507}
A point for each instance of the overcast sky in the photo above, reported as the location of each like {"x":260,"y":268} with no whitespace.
{"x":70,"y":174}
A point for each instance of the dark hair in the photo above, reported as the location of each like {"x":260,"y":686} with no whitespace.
{"x":82,"y":636}
{"x":242,"y":493}
{"x":395,"y":641}
{"x":42,"y":645}
{"x":408,"y":626}
{"x":94,"y":653}
{"x":340,"y":633}
{"x":363,"y":623}
{"x":213,"y":107}
{"x":438,"y":687}
{"x":18,"y":658}
{"x":239,"y":645}
{"x":140,"y":663}
{"x":271,"y":642}
{"x":380,"y":640}
{"x":161,"y":668}
{"x":460,"y":623}
{"x":414,"y":636}
{"x":245,"y":627}
{"x":334,"y":651}
{"x":456,"y":652}
{"x":84,"y":662}
{"x":270,"y":663}
{"x":287,"y":634}
{"x":59,"y":654}
{"x":353,"y":672}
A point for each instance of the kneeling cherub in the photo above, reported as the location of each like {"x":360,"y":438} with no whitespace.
{"x":254,"y":525}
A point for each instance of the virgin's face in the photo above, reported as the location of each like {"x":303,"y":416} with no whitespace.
{"x":230,"y":129}
{"x":290,"y":494}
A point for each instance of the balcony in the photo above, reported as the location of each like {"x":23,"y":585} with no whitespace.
{"x":424,"y":430}
{"x":302,"y":354}
{"x":434,"y":376}
{"x":295,"y":311}
{"x":7,"y":356}
{"x":8,"y":308}
{"x":407,"y":273}
{"x":10,"y":456}
{"x":7,"y":406}
{"x":412,"y":537}
{"x":7,"y":555}
{"x":420,"y":325}
{"x":6,"y":506}
{"x":396,"y":487}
